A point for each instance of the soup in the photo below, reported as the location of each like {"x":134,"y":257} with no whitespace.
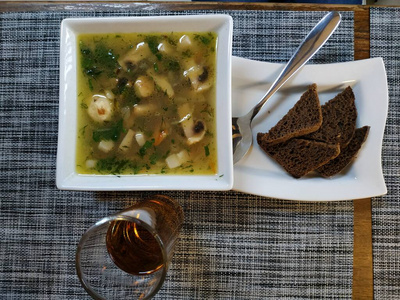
{"x":146,"y":103}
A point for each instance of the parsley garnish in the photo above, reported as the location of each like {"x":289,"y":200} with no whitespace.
{"x":110,"y":133}
{"x":206,"y":150}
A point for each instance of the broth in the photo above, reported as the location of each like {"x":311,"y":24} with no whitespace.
{"x":146,"y":103}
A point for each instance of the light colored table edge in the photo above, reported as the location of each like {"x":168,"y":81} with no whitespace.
{"x":363,"y":272}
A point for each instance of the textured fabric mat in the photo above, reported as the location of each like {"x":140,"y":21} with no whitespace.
{"x":385,"y":42}
{"x":233,"y":245}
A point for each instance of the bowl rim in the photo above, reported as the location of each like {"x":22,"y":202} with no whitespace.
{"x":66,"y":176}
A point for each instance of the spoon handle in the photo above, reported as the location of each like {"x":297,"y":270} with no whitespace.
{"x":309,"y":46}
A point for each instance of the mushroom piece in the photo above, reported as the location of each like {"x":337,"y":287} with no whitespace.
{"x":127,"y":141}
{"x":109,"y":94}
{"x":166,"y":48}
{"x":143,"y":109}
{"x":162,"y":82}
{"x":91,"y":163}
{"x":144,"y":86}
{"x":106,"y":145}
{"x":184,"y":43}
{"x":178,"y":159}
{"x":194,"y":130}
{"x":131,"y":59}
{"x":198,"y":76}
{"x":140,"y":138}
{"x":100,"y":108}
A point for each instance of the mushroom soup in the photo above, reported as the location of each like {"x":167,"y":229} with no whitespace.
{"x":146,"y":104}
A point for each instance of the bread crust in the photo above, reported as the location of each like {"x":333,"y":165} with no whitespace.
{"x":331,"y":146}
{"x":339,"y":117}
{"x":299,"y":156}
{"x":347,"y":154}
{"x":303,"y":118}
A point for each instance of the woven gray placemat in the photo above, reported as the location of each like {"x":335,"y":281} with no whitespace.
{"x":385,"y":42}
{"x":233,"y":245}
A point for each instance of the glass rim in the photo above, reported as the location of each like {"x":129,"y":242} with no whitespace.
{"x":109,"y":219}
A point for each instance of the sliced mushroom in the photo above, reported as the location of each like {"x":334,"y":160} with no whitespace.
{"x":162,"y":82}
{"x":130,"y":60}
{"x":100,"y":108}
{"x":109,"y":94}
{"x":166,"y":48}
{"x":194,"y":130}
{"x":144,"y":109}
{"x":127,"y":141}
{"x":144,"y":86}
{"x":198,"y":75}
{"x":184,"y":43}
{"x":128,"y":116}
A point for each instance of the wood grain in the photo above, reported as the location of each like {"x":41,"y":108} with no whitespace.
{"x":363,"y":275}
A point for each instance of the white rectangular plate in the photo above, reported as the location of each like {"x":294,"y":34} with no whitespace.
{"x":258,"y":174}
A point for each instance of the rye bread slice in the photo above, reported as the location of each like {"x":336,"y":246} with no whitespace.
{"x":303,"y":118}
{"x":338,"y":120}
{"x":299,"y":156}
{"x":346,"y":155}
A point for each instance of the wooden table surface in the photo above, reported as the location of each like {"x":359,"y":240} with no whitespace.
{"x":362,"y":253}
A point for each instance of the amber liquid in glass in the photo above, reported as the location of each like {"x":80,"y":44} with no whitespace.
{"x":133,"y":248}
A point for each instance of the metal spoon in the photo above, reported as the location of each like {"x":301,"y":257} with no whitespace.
{"x":242,"y":136}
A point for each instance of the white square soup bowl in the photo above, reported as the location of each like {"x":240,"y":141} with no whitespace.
{"x":67,"y":176}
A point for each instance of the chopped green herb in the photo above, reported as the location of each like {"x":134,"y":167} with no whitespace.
{"x":110,"y":133}
{"x":152,"y":41}
{"x":136,"y":169}
{"x":166,"y":154}
{"x":171,"y":41}
{"x":130,"y":96}
{"x":90,"y":84}
{"x":159,"y":56}
{"x":153,"y":158}
{"x":207,"y":150}
{"x":187,"y":53}
{"x":147,"y":145}
{"x":121,"y":86}
{"x":111,"y":165}
{"x":155,"y":65}
{"x":84,"y":105}
{"x":98,"y":61}
{"x":204,"y":39}
{"x":171,"y":65}
{"x":83,"y":130}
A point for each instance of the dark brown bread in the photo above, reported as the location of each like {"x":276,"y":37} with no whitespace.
{"x":298,"y":156}
{"x":346,"y":155}
{"x":338,"y":120}
{"x":303,"y":118}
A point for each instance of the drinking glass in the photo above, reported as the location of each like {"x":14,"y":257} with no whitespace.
{"x":127,"y":255}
